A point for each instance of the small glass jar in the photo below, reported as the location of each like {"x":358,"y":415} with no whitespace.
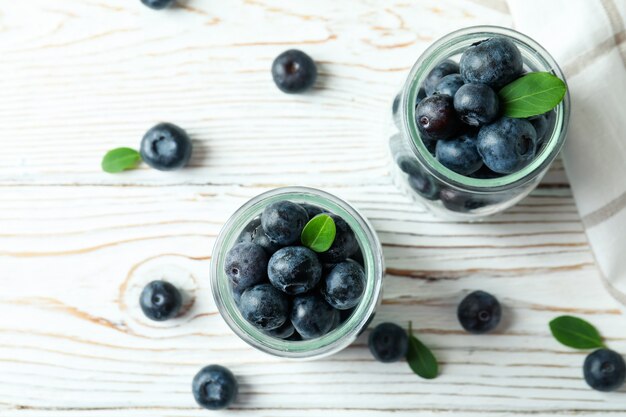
{"x":444,"y":192}
{"x":345,"y":333}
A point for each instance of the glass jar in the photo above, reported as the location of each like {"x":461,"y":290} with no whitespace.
{"x":444,"y":192}
{"x":345,"y":333}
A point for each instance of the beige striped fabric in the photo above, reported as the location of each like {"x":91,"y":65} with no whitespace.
{"x":588,"y":39}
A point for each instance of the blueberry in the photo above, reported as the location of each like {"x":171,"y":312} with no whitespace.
{"x":344,"y":245}
{"x":395,"y":105}
{"x":283,"y":332}
{"x":541,"y":124}
{"x":424,"y":185}
{"x":294,"y":71}
{"x":459,"y":154}
{"x":237,"y":292}
{"x":432,"y":79}
{"x":249,"y":232}
{"x":604,"y":370}
{"x":343,"y":287}
{"x":406,"y":161}
{"x":495,"y":62}
{"x":214,"y":387}
{"x":421,"y":95}
{"x":479,"y":312}
{"x":160,"y":301}
{"x":312,"y":210}
{"x":388,"y":342}
{"x":436,"y":118}
{"x":358,"y":257}
{"x":166,"y":147}
{"x":264,"y":306}
{"x":507,"y":145}
{"x":449,"y":84}
{"x":312,"y":316}
{"x":158,"y":4}
{"x":283,"y":222}
{"x":485,"y":173}
{"x":246,"y":265}
{"x":261,"y":239}
{"x":476,"y":104}
{"x":294,"y":269}
{"x":455,"y":200}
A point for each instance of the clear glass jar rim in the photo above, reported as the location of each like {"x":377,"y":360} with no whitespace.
{"x":416,"y":76}
{"x":306,"y":349}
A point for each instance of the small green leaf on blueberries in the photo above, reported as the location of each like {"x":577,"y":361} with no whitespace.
{"x":120,"y":159}
{"x":319,"y":233}
{"x":420,"y":358}
{"x":576,"y":333}
{"x":533,"y":94}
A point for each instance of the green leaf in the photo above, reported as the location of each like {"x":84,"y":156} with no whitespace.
{"x":319,"y":233}
{"x":576,"y":333}
{"x":420,"y":358}
{"x":120,"y":159}
{"x":533,"y":94}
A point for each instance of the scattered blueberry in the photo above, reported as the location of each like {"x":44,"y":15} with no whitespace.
{"x":294,"y":71}
{"x":388,"y":342}
{"x":283,"y":222}
{"x":436,"y":118}
{"x":294,"y":270}
{"x":261,"y":239}
{"x":424,"y":185}
{"x":246,"y":264}
{"x":312,"y":316}
{"x":479,"y":312}
{"x":459,"y":154}
{"x":160,"y":301}
{"x":158,"y":4}
{"x":264,"y":306}
{"x":249,"y":232}
{"x":604,"y":370}
{"x":343,"y":287}
{"x":432,"y":79}
{"x":283,"y":332}
{"x":449,"y":85}
{"x":166,"y":147}
{"x":476,"y":104}
{"x":507,"y":145}
{"x":344,"y":245}
{"x":495,"y":62}
{"x":214,"y":387}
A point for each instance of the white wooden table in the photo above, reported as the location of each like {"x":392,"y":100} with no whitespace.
{"x":79,"y":77}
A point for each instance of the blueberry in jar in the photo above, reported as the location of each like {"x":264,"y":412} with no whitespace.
{"x":343,"y":287}
{"x":166,"y":147}
{"x":312,"y":316}
{"x":436,"y":118}
{"x":432,"y":79}
{"x":344,"y":245}
{"x":494,"y":62}
{"x":311,"y":210}
{"x":283,"y":332}
{"x":283,"y":222}
{"x":294,"y":270}
{"x":507,"y":145}
{"x":541,"y":123}
{"x":476,"y":104}
{"x":479,"y":312}
{"x":264,"y":306}
{"x":424,"y":185}
{"x":261,"y":239}
{"x":449,"y":85}
{"x":604,"y":370}
{"x":249,"y":231}
{"x":294,"y":71}
{"x":158,"y":4}
{"x":160,"y":300}
{"x":459,"y":154}
{"x":459,"y":201}
{"x":214,"y":387}
{"x":388,"y":342}
{"x":246,"y":265}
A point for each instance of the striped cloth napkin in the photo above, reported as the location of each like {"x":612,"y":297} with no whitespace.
{"x":588,"y":39}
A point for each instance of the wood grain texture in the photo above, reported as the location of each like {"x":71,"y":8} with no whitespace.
{"x":79,"y":77}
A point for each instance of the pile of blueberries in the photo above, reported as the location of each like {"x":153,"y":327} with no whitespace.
{"x":458,"y":113}
{"x":287,"y":290}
